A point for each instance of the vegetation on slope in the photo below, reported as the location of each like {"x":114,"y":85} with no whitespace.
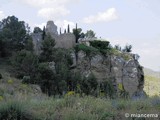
{"x":152,"y":82}
{"x":74,"y":95}
{"x":79,"y":108}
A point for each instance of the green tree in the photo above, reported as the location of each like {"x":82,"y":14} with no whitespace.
{"x":29,"y":44}
{"x":44,"y":33}
{"x":127,"y":48}
{"x":25,"y":64}
{"x":108,"y":88}
{"x":100,"y":44}
{"x":118,"y":47}
{"x":77,"y":33}
{"x":89,"y":85}
{"x":68,"y":29}
{"x":60,"y":31}
{"x":65,"y":31}
{"x":46,"y":78}
{"x":37,"y":30}
{"x":47,"y":49}
{"x":90,"y":34}
{"x":13,"y":34}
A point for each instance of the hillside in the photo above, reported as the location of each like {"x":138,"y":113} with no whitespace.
{"x":90,"y":80}
{"x":152,"y":82}
{"x":13,"y":88}
{"x":28,"y":102}
{"x":151,"y":72}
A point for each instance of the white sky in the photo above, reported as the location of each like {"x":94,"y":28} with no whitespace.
{"x":136,"y":22}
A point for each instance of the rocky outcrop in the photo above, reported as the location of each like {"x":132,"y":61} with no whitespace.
{"x":122,"y":69}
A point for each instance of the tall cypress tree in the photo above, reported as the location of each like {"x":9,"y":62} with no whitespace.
{"x":76,"y":34}
{"x":68,"y":29}
{"x":65,"y":31}
{"x":60,"y":32}
{"x":44,"y":33}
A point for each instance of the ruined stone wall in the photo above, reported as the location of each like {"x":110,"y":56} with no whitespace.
{"x":51,"y":28}
{"x":66,"y":40}
{"x":37,"y":39}
{"x":122,"y":68}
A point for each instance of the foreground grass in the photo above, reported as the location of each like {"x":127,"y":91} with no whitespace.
{"x":80,"y":108}
{"x":26,"y":102}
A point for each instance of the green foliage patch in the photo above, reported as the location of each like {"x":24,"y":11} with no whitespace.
{"x":15,"y":111}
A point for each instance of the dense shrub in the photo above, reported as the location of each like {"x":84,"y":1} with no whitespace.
{"x":13,"y":35}
{"x":24,"y":63}
{"x":47,"y":49}
{"x":103,"y":47}
{"x":100,"y":44}
{"x":127,"y":48}
{"x":108,"y":88}
{"x":45,"y":78}
{"x":87,"y":49}
{"x":89,"y":85}
{"x":15,"y":111}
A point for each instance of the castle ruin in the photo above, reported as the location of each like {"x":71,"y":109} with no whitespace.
{"x":65,"y":40}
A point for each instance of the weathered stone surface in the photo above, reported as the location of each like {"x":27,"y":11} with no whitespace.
{"x":126,"y":72}
{"x":121,"y":69}
{"x":37,"y":39}
{"x":51,"y":28}
{"x":66,"y":40}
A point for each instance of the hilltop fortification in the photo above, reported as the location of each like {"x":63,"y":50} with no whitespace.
{"x":121,"y":68}
{"x":65,"y":40}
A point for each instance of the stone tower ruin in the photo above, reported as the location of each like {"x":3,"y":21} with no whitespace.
{"x":65,"y":40}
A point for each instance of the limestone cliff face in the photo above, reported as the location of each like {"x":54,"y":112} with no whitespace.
{"x":123,"y":69}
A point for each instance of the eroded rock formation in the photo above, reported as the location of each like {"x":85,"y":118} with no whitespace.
{"x":123,"y":69}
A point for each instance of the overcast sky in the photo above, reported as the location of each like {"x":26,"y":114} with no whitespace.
{"x":135,"y":22}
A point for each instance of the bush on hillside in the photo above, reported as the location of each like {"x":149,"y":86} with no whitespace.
{"x":108,"y":88}
{"x":25,"y":64}
{"x":89,"y":85}
{"x":103,"y":46}
{"x":47,"y":49}
{"x":15,"y":111}
{"x":100,"y":44}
